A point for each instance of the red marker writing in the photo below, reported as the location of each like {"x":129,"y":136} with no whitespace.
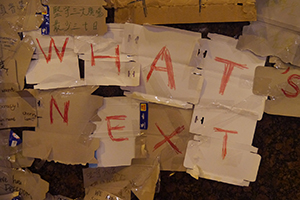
{"x":59,"y":54}
{"x":110,"y":128}
{"x":165,"y":55}
{"x":117,"y":57}
{"x":224,"y":147}
{"x":229,"y":66}
{"x":66,"y":110}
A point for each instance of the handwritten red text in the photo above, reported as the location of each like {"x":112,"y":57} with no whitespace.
{"x":66,"y":110}
{"x":229,"y":66}
{"x":59,"y":54}
{"x":225,"y":138}
{"x":110,"y":128}
{"x":164,"y":54}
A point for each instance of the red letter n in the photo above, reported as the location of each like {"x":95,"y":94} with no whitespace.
{"x":117,"y":57}
{"x":66,"y":110}
{"x":109,"y":128}
{"x":229,"y":65}
{"x":294,"y":85}
{"x":224,"y":147}
{"x":59,"y":54}
{"x":164,"y":54}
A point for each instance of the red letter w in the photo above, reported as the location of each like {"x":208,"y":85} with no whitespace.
{"x":59,"y":54}
{"x":66,"y":110}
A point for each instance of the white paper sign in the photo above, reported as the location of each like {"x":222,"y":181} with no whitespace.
{"x":209,"y":159}
{"x":168,"y":60}
{"x":112,"y":153}
{"x":57,"y":63}
{"x":105,"y":64}
{"x":119,"y":119}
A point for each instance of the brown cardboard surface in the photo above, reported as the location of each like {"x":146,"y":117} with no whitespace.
{"x":8,"y":76}
{"x":188,"y":11}
{"x":169,"y":120}
{"x":143,"y":179}
{"x":17,"y":109}
{"x":68,"y":149}
{"x":76,"y":17}
{"x":22,"y":14}
{"x":64,"y":111}
{"x":92,"y":193}
{"x":15,"y":57}
{"x":30,"y":185}
{"x":6,"y":178}
{"x":282,"y":87}
{"x":12,"y":156}
{"x":23,"y":57}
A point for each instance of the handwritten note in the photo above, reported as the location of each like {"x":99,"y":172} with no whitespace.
{"x":78,"y":18}
{"x":22,"y":14}
{"x":18,"y":110}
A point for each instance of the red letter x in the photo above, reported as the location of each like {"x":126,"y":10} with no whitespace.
{"x":117,"y":58}
{"x":109,"y":128}
{"x":167,"y":138}
{"x":66,"y":110}
{"x":60,"y":55}
{"x":229,"y":65}
{"x":224,"y":148}
{"x":164,"y":54}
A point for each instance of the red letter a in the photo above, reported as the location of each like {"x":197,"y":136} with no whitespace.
{"x":164,"y":54}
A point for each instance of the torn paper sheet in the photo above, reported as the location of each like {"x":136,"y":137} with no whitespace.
{"x":119,"y":118}
{"x":11,"y":150}
{"x":167,"y":135}
{"x":15,"y":56}
{"x":280,"y":13}
{"x":105,"y":44}
{"x":188,"y":11}
{"x":266,"y":39}
{"x":116,"y":190}
{"x":225,"y":162}
{"x":168,"y":59}
{"x":29,"y":185}
{"x":18,"y":109}
{"x":220,"y":123}
{"x":22,"y":15}
{"x":56,"y":197}
{"x":6,"y":179}
{"x":8,"y":76}
{"x":68,"y":149}
{"x":143,"y":178}
{"x":57,"y":63}
{"x":117,"y":129}
{"x":77,"y":17}
{"x":108,"y":154}
{"x":229,"y":77}
{"x":282,"y":87}
{"x":64,"y":111}
{"x":92,"y":193}
{"x":105,"y":64}
{"x":9,"y":39}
